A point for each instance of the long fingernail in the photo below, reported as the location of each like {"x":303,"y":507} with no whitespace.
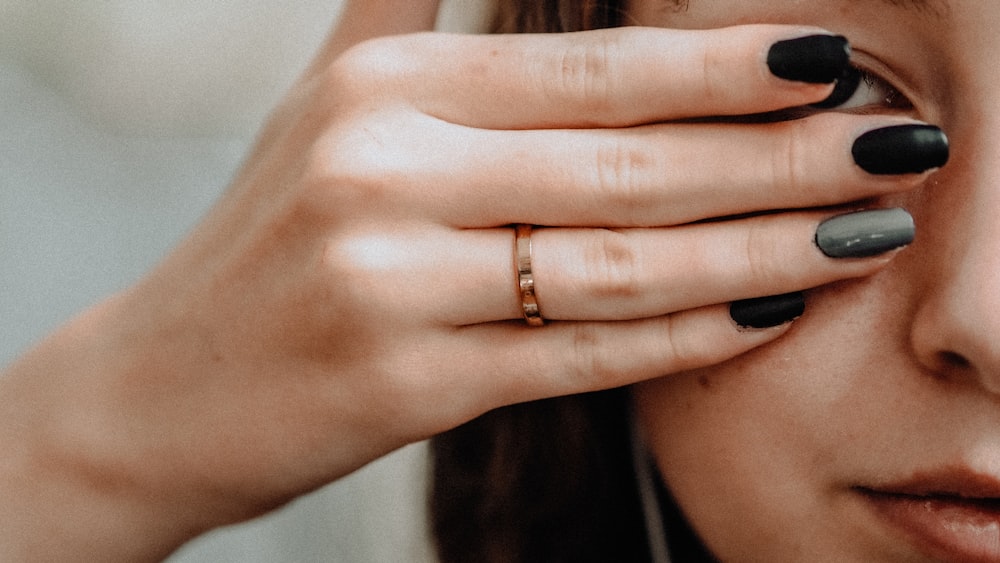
{"x":865,"y":233}
{"x":819,"y":59}
{"x":767,"y":312}
{"x":901,"y":149}
{"x":847,"y":84}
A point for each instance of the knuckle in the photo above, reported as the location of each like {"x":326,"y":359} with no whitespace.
{"x":716,"y":82}
{"x":620,"y":177}
{"x":349,"y":75}
{"x":355,"y":157}
{"x":591,"y":362}
{"x":782,"y":172}
{"x":348,"y":171}
{"x":348,"y":261}
{"x":360,"y":272}
{"x":368,"y":67}
{"x":585,"y":72}
{"x":613,"y":266}
{"x":789,"y":157}
{"x":762,"y":255}
{"x":685,"y":349}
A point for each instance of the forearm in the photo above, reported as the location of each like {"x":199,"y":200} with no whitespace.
{"x":65,"y":483}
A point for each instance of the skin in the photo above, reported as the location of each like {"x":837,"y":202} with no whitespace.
{"x":353,"y":291}
{"x":884,"y":376}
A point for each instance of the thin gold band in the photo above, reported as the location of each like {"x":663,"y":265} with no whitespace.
{"x":525,"y":277}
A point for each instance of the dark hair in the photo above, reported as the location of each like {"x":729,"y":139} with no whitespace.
{"x":554,"y":16}
{"x":543,"y":481}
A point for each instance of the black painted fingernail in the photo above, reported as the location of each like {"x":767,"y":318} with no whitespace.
{"x":865,"y":233}
{"x":901,"y":149}
{"x":847,"y":85}
{"x":767,"y":312}
{"x":819,"y":59}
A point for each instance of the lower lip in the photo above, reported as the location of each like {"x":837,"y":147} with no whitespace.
{"x":947,"y":529}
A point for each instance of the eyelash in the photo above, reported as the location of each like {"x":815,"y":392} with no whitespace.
{"x":891,"y":100}
{"x":890,"y":96}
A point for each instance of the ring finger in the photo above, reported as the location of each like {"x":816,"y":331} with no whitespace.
{"x":601,"y":274}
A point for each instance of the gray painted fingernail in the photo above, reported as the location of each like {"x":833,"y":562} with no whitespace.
{"x":865,"y":233}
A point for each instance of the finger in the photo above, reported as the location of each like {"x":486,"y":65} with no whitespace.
{"x":644,"y":176}
{"x":361,"y":20}
{"x":499,"y":364}
{"x":606,"y":78}
{"x":597,"y":274}
{"x":520,"y":364}
{"x":603,"y":275}
{"x":673,"y":174}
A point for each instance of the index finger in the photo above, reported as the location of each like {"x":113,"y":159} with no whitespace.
{"x":606,"y":78}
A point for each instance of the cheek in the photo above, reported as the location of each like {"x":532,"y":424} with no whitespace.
{"x":753,"y":449}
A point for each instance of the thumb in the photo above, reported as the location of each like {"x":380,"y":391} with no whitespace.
{"x":366,"y":19}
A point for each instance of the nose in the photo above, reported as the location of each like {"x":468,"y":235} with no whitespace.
{"x":956,"y":326}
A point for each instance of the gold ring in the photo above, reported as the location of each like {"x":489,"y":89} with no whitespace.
{"x":525,"y":278}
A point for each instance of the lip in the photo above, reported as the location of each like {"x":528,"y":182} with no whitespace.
{"x":951,"y":514}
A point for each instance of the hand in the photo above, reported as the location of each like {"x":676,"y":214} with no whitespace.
{"x":354,"y":290}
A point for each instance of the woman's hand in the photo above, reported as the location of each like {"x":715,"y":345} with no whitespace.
{"x":354,"y":291}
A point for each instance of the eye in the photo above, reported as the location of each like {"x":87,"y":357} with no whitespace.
{"x":860,"y":90}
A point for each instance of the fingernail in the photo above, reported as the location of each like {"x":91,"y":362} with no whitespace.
{"x":865,"y":233}
{"x":819,"y":59}
{"x":767,"y":312}
{"x":847,"y":84}
{"x":901,"y":149}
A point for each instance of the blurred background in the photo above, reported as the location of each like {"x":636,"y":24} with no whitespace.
{"x":121,"y":121}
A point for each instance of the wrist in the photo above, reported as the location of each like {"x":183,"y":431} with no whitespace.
{"x":71,"y":481}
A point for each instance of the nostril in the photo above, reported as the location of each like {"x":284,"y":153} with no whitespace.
{"x":953,"y":360}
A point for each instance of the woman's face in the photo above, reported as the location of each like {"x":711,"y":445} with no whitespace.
{"x":871,"y":432}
